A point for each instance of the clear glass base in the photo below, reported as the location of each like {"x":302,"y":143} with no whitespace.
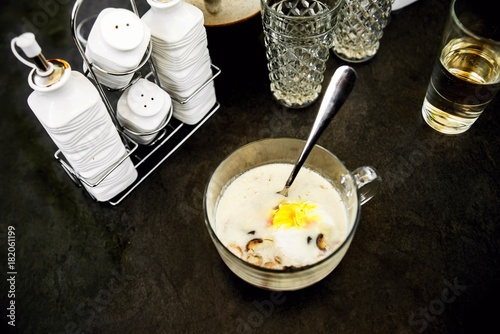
{"x":297,"y":102}
{"x":359,"y":29}
{"x":444,"y":122}
{"x":351,"y":59}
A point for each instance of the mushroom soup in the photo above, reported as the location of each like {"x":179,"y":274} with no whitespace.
{"x":270,"y":230}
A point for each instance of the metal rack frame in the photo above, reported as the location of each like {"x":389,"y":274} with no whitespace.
{"x":172,"y":134}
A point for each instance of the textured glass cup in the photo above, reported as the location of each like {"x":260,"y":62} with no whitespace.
{"x":360,"y":25}
{"x":466,"y":74}
{"x":355,"y":188}
{"x":298,"y":37}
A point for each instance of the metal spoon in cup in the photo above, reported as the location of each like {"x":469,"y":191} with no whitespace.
{"x":339,"y":88}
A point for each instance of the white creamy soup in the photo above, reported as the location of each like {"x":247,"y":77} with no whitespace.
{"x":273,"y":231}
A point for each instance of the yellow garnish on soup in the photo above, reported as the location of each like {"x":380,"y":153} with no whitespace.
{"x":294,"y":215}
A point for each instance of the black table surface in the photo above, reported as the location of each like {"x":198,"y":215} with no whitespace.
{"x":425,"y":257}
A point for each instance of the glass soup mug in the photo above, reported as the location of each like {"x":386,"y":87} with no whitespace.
{"x":355,"y":188}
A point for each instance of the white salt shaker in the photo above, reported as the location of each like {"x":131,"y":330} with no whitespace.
{"x":144,"y":108}
{"x":181,"y":57}
{"x":117,"y":43}
{"x":70,"y":109}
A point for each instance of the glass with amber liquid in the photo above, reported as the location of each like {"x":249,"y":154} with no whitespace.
{"x":466,"y":76}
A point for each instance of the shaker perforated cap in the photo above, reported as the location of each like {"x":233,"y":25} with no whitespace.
{"x":145,"y":98}
{"x":122,"y":29}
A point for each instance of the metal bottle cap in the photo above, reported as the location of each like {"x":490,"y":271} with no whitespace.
{"x":46,"y":73}
{"x":59,"y":67}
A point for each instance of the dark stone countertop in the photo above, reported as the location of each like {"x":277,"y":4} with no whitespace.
{"x":425,"y":257}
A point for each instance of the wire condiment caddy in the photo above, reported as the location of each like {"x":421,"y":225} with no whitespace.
{"x":171,"y":134}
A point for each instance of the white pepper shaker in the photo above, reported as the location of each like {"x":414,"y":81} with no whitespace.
{"x":144,"y":108}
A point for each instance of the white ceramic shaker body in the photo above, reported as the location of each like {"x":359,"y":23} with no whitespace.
{"x":181,"y":57}
{"x":117,"y":43}
{"x":75,"y":117}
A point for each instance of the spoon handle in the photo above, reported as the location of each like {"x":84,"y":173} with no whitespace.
{"x":339,"y":88}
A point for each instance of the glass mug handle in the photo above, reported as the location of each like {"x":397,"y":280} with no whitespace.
{"x":367,"y":181}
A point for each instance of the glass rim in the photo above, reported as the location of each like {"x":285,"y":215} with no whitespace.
{"x":329,"y":11}
{"x":288,"y":271}
{"x":465,"y":29}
